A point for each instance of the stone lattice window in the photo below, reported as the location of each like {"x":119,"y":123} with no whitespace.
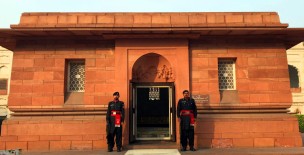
{"x":76,"y":76}
{"x":226,"y":74}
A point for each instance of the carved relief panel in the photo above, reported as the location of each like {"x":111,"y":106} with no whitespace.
{"x":152,"y":68}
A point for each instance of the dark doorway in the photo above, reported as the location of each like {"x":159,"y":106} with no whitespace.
{"x":152,"y":116}
{"x":152,"y":112}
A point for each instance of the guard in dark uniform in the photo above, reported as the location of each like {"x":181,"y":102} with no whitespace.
{"x":186,"y":113}
{"x":115,"y":118}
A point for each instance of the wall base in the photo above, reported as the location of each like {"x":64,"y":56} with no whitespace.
{"x":51,"y":133}
{"x":54,"y":133}
{"x":247,"y":130}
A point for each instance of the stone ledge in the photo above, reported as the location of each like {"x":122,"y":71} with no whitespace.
{"x":72,"y":111}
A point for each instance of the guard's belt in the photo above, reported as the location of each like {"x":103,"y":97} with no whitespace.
{"x":190,"y":114}
{"x":117,"y":115}
{"x":115,"y":112}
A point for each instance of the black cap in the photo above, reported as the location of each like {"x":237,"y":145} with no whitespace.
{"x":116,"y":93}
{"x":185,"y":91}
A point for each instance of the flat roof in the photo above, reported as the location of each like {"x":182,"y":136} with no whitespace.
{"x":189,"y":25}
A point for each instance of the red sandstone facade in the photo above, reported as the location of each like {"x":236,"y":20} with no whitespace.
{"x":118,"y":50}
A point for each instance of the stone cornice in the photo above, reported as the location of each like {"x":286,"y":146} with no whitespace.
{"x":64,"y":111}
{"x":80,"y":111}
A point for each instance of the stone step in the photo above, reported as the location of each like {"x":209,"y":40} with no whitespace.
{"x":156,"y":144}
{"x":153,"y":152}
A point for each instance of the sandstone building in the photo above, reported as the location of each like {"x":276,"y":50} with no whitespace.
{"x":66,"y":67}
{"x":295,"y":57}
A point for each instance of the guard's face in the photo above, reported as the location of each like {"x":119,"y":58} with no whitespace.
{"x":116,"y":97}
{"x":186,"y":94}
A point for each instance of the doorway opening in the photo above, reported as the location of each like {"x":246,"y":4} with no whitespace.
{"x":153,"y":112}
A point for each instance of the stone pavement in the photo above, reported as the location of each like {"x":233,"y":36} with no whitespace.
{"x":232,"y":151}
{"x":227,"y":151}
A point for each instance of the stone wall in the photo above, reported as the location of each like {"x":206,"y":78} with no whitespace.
{"x":247,"y":131}
{"x":38,"y":73}
{"x":54,"y":133}
{"x":249,"y":118}
{"x":262,"y":77}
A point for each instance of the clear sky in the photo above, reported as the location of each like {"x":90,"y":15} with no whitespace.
{"x":290,"y":11}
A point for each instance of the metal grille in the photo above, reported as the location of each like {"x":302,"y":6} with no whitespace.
{"x":154,"y":93}
{"x":226,"y":74}
{"x":76,"y":76}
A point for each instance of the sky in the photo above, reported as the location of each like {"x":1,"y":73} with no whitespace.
{"x":290,"y":11}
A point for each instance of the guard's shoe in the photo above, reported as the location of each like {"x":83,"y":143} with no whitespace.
{"x":183,"y":149}
{"x":110,"y":150}
{"x":192,"y":149}
{"x":118,"y":149}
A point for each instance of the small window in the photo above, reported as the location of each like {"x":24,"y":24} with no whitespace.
{"x":226,"y":74}
{"x":76,"y":76}
{"x":294,"y":76}
{"x":3,"y":84}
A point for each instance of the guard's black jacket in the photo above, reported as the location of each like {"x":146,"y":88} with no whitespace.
{"x":184,"y":104}
{"x":119,"y":106}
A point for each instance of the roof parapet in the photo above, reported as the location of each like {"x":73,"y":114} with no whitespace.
{"x":186,"y":19}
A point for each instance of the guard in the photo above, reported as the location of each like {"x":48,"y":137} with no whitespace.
{"x":187,"y":113}
{"x":115,"y":118}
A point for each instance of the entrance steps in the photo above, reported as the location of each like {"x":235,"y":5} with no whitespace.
{"x":155,"y":144}
{"x":152,"y":132}
{"x":153,"y":152}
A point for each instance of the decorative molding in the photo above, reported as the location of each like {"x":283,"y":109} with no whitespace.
{"x":102,"y":111}
{"x":57,"y":111}
{"x":240,"y":110}
{"x":243,"y":111}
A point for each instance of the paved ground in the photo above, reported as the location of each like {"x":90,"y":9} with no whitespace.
{"x":229,"y":151}
{"x":233,"y":151}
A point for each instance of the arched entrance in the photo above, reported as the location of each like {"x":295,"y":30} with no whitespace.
{"x":152,"y":115}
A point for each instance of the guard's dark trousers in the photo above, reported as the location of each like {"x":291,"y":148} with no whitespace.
{"x":118,"y":133}
{"x":187,"y":135}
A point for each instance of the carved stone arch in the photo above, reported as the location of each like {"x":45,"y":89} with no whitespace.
{"x":294,"y":76}
{"x":152,"y":67}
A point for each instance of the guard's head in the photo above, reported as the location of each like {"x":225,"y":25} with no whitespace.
{"x":186,"y":93}
{"x":116,"y":95}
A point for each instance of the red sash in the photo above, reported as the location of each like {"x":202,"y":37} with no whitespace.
{"x":190,"y":114}
{"x":117,"y":115}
